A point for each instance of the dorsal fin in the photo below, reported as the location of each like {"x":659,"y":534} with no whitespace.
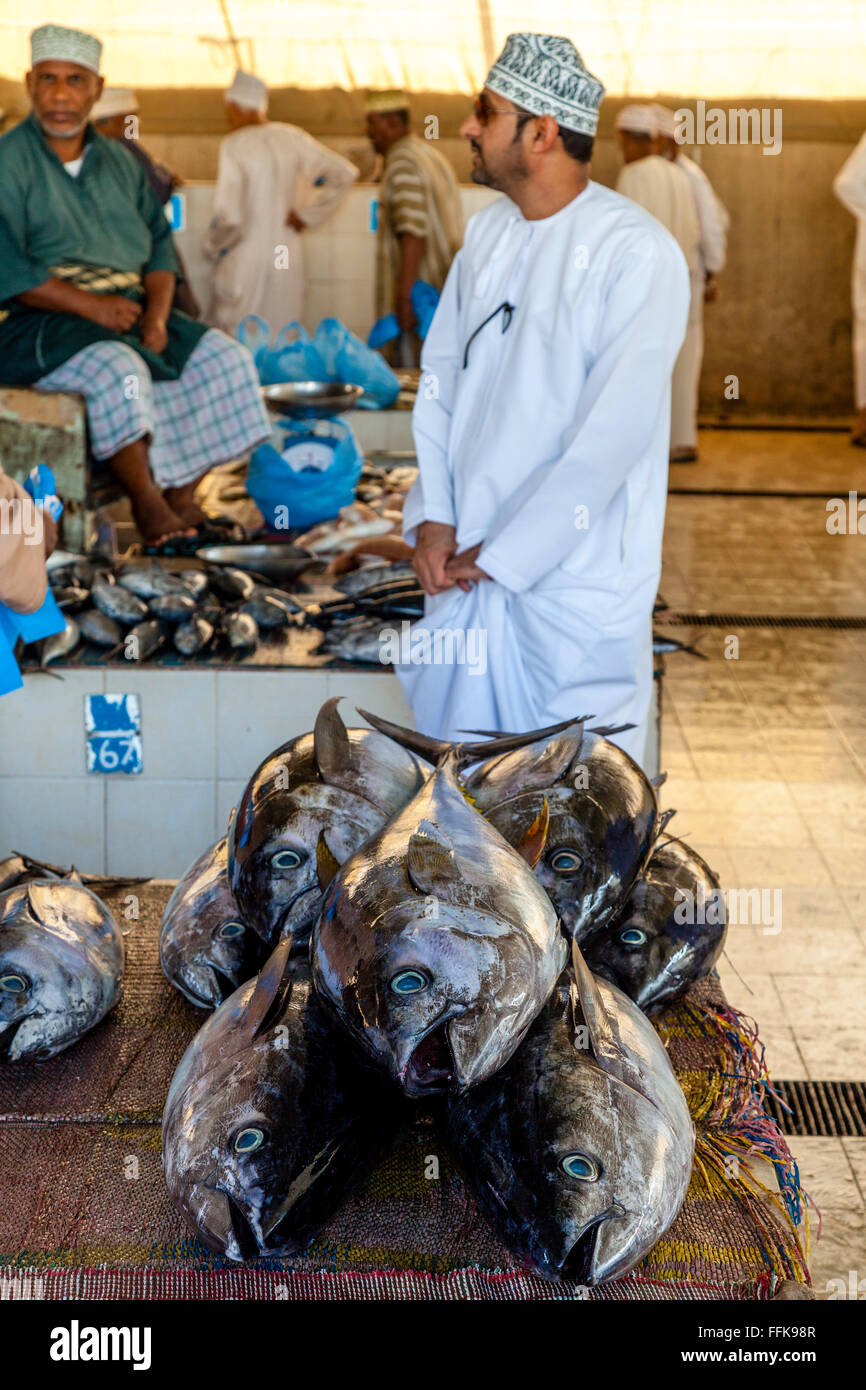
{"x":531,"y":847}
{"x":430,"y":859}
{"x":435,"y":748}
{"x":602,"y":1033}
{"x":331,"y":746}
{"x":327,"y":863}
{"x":272,"y":989}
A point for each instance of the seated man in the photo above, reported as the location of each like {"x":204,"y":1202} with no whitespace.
{"x":87,"y":275}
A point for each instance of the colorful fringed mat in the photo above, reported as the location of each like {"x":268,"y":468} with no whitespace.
{"x":85,"y":1213}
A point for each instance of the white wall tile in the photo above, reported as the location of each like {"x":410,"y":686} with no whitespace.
{"x":59,"y":819}
{"x":257,"y":711}
{"x":42,"y":725}
{"x":379,"y":692}
{"x":178,"y":719}
{"x":157,"y":827}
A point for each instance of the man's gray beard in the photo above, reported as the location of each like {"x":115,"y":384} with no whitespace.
{"x":65,"y":134}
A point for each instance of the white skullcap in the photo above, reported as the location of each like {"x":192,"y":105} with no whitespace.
{"x":637,"y":120}
{"x":115,"y":101}
{"x":52,"y":41}
{"x":666,"y":120}
{"x":248,"y":91}
{"x":545,"y":74}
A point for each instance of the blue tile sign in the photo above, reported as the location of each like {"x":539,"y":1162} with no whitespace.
{"x":112,"y":725}
{"x":175,"y":211}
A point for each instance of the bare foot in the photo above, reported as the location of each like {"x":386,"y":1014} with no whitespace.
{"x":156,"y":521}
{"x":182,"y":502}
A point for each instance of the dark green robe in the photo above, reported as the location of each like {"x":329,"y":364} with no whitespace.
{"x":109,"y":217}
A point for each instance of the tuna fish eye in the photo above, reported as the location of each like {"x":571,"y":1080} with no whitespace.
{"x":231,"y":929}
{"x":409,"y":982}
{"x":579,"y":1166}
{"x":286,"y":859}
{"x":14,"y":984}
{"x":632,"y":936}
{"x":248,"y":1140}
{"x":565,"y":861}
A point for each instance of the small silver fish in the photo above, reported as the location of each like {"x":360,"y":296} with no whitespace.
{"x":116,"y":602}
{"x":193,"y":635}
{"x":98,"y":628}
{"x":60,"y":643}
{"x":242,"y":631}
{"x":174,"y":607}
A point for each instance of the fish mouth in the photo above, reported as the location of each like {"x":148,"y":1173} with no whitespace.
{"x":7,"y":1038}
{"x":244,"y":1236}
{"x":578,"y":1261}
{"x":431,"y":1066}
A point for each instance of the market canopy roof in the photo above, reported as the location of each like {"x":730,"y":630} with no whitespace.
{"x":808,"y":48}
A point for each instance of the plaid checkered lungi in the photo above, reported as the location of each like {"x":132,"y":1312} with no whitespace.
{"x":211,"y":414}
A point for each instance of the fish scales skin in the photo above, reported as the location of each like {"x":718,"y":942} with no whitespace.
{"x":323,"y":1121}
{"x":657,"y":946}
{"x":439,"y":894}
{"x":621,"y":1116}
{"x":62,"y":943}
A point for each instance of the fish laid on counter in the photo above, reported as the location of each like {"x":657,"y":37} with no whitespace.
{"x":270,"y":1122}
{"x":357,"y":639}
{"x":360,"y":580}
{"x":193,"y":635}
{"x":96,"y":627}
{"x":205,"y":949}
{"x":117,"y":602}
{"x":59,"y":643}
{"x":241,"y":630}
{"x":61,"y":966}
{"x":436,"y":945}
{"x":670,"y":933}
{"x":580,"y":1150}
{"x":603,"y":813}
{"x":355,"y":522}
{"x":306,"y":808}
{"x":173,"y":607}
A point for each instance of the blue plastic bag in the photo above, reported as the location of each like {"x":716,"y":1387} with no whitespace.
{"x":311,"y":487}
{"x":347,"y":358}
{"x":291,"y":357}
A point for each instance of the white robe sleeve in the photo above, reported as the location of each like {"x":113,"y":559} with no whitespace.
{"x":617,"y":413}
{"x":325,"y":178}
{"x":228,"y":219}
{"x":713,"y":218}
{"x":849,"y":184}
{"x":431,"y":497}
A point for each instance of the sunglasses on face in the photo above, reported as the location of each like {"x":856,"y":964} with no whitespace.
{"x":484,"y":112}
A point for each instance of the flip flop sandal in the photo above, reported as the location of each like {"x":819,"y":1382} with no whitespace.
{"x":220,"y":530}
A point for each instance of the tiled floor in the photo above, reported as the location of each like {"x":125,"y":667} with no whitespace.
{"x":765,"y":749}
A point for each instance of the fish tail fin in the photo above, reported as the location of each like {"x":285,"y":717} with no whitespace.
{"x":434,"y":749}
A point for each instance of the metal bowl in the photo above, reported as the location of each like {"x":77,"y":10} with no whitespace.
{"x":316,"y":398}
{"x":275,"y":561}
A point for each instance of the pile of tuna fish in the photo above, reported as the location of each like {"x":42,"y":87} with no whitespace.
{"x":392,"y":919}
{"x":143,"y":608}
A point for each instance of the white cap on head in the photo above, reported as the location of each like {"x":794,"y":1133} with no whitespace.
{"x":115,"y":101}
{"x":248,"y":91}
{"x":546,"y":75}
{"x":637,"y":120}
{"x":666,"y":121}
{"x":53,"y":41}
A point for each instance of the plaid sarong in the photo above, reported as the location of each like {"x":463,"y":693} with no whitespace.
{"x":211,"y":414}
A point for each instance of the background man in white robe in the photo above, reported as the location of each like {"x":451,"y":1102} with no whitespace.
{"x":849,"y":186}
{"x":542,"y":424}
{"x":665,"y":190}
{"x":274,"y":181}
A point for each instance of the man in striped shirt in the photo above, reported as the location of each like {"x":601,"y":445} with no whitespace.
{"x":420,"y":220}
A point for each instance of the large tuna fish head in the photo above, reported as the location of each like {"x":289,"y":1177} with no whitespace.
{"x":670,"y":933}
{"x":580,"y":1151}
{"x":268,"y":1124}
{"x":603,"y":820}
{"x":205,"y":948}
{"x":61,"y":963}
{"x":436,"y":946}
{"x":308,"y":806}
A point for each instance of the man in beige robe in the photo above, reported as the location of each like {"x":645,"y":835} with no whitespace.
{"x":664,"y":190}
{"x":420,"y":217}
{"x":274,"y":181}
